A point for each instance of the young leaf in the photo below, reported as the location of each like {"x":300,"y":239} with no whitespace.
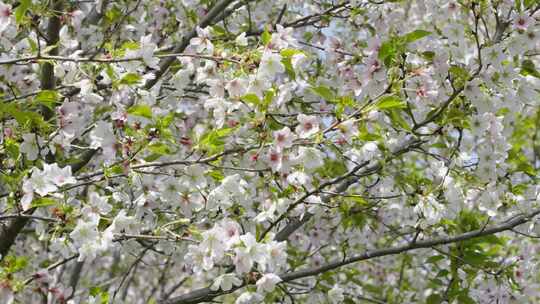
{"x":251,"y":98}
{"x":416,"y":35}
{"x":324,"y":92}
{"x":390,"y":102}
{"x":141,"y":110}
{"x":21,"y":10}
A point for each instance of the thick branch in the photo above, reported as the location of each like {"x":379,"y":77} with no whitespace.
{"x":205,"y":294}
{"x":507,"y":225}
{"x":53,"y":29}
{"x":296,"y":223}
{"x":180,"y":47}
{"x":9,"y":232}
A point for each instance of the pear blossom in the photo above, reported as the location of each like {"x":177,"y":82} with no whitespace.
{"x":6,"y":293}
{"x":310,"y":158}
{"x":335,"y":295}
{"x":86,"y":237}
{"x":102,"y":136}
{"x":381,"y":125}
{"x":271,"y":65}
{"x":267,"y":282}
{"x":147,"y":50}
{"x":59,"y":176}
{"x":237,"y":87}
{"x":99,"y":203}
{"x":248,"y":253}
{"x":522,"y":21}
{"x":430,"y":209}
{"x":202,"y":41}
{"x":249,"y":297}
{"x":233,"y":189}
{"x":241,"y":39}
{"x":31,"y":145}
{"x":307,"y":125}
{"x":5,"y":16}
{"x":284,"y":138}
{"x":226,"y":282}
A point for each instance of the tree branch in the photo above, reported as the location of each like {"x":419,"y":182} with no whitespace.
{"x":180,"y":47}
{"x":9,"y":232}
{"x":205,"y":294}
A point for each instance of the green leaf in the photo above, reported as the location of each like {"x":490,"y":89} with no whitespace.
{"x":474,"y":258}
{"x":464,"y":298}
{"x":458,"y":72}
{"x":397,"y":120}
{"x":434,"y":259}
{"x":288,"y":53}
{"x":324,"y":92}
{"x":152,"y":157}
{"x":131,"y":79}
{"x":434,"y":299}
{"x":390,"y":102}
{"x":266,"y":37}
{"x":130,"y":45}
{"x":528,"y":68}
{"x":113,"y":14}
{"x":216,"y":175}
{"x":530,"y":3}
{"x":218,"y":31}
{"x":21,"y":10}
{"x":12,"y":147}
{"x":160,"y":148}
{"x":387,"y":50}
{"x":43,"y":202}
{"x":428,"y":55}
{"x":287,"y":63}
{"x":111,"y":171}
{"x":213,"y":141}
{"x":47,"y":98}
{"x":141,"y":110}
{"x":415,"y":35}
{"x":251,"y":98}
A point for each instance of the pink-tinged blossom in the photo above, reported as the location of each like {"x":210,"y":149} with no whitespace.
{"x":283,"y":38}
{"x":249,"y":252}
{"x":231,"y":232}
{"x":267,"y":283}
{"x":276,"y":259}
{"x":283,"y":138}
{"x":7,"y":295}
{"x":237,"y":87}
{"x":276,"y":159}
{"x":307,"y":125}
{"x":5,"y":16}
{"x":202,"y":42}
{"x":59,"y":176}
{"x":523,"y":21}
